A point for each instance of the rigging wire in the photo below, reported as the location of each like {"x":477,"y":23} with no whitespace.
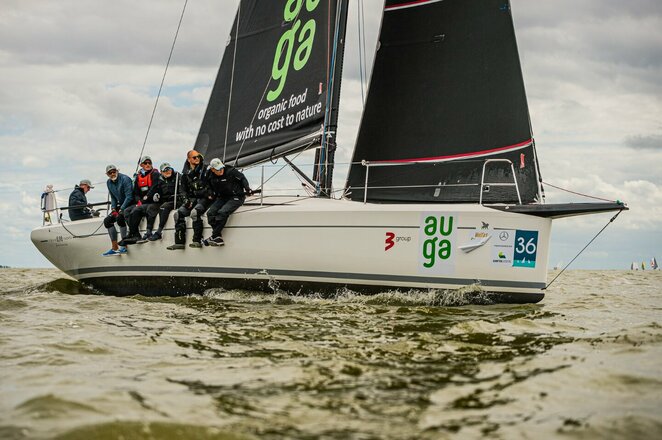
{"x":156,"y":103}
{"x":360,"y":23}
{"x":578,"y":193}
{"x":584,"y":248}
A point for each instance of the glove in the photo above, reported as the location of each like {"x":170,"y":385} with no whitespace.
{"x":249,"y":192}
{"x":144,"y":197}
{"x":156,"y":197}
{"x":188,"y":204}
{"x":140,"y":203}
{"x":115,"y":213}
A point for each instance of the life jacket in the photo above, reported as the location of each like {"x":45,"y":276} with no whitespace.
{"x":144,"y":182}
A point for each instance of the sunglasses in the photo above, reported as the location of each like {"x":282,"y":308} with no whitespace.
{"x":111,"y":172}
{"x":147,"y":162}
{"x":197,"y":157}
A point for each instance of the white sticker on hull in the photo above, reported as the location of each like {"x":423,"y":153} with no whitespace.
{"x":437,"y":243}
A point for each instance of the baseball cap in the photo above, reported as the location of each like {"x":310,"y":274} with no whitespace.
{"x":145,"y":158}
{"x":216,"y":164}
{"x":110,"y":168}
{"x":86,"y":182}
{"x":164,"y":166}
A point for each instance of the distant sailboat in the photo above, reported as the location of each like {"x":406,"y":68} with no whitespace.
{"x":654,"y":265}
{"x":643,"y":266}
{"x":633,"y":266}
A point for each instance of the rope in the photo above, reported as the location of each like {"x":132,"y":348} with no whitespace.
{"x":156,"y":103}
{"x":584,"y":248}
{"x":578,"y":193}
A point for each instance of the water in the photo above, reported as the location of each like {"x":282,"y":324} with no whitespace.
{"x":585,"y":363}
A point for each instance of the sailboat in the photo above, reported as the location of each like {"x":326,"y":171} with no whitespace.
{"x":654,"y":265}
{"x":444,"y":188}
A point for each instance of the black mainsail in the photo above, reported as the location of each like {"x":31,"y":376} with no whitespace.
{"x":446,"y":94}
{"x":271,"y":93}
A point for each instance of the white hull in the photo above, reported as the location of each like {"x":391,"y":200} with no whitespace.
{"x":322,"y":244}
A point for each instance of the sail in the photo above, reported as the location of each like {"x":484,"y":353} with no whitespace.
{"x":270,"y":95}
{"x":446,"y":94}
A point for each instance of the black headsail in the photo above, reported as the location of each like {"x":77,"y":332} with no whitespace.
{"x":446,"y":94}
{"x":270,"y":95}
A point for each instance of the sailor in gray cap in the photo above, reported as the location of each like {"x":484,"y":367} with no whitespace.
{"x":78,"y":206}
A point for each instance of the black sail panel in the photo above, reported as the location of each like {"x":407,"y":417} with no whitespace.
{"x":270,"y":94}
{"x":446,"y":94}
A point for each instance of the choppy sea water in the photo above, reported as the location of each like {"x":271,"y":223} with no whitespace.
{"x":584,"y":363}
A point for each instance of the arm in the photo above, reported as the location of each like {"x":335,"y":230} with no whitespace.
{"x":127,"y":189}
{"x":156,"y":177}
{"x":113,"y":200}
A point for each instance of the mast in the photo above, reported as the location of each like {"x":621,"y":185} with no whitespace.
{"x":325,"y":155}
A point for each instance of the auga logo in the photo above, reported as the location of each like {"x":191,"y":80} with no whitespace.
{"x":304,"y":36}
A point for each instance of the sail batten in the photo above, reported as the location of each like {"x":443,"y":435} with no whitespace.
{"x":446,"y":94}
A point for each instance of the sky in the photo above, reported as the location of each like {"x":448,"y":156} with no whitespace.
{"x":78,"y":82}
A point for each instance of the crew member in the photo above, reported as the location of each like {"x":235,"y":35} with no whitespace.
{"x":78,"y":206}
{"x":194,"y":202}
{"x":144,"y":190}
{"x":229,"y":188}
{"x":168,"y":188}
{"x":121,"y":200}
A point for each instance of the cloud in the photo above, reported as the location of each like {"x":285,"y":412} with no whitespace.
{"x":639,"y":142}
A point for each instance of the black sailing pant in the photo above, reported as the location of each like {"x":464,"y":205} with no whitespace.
{"x":220,"y":211}
{"x":164,"y":212}
{"x":195,"y":212}
{"x":149,"y":210}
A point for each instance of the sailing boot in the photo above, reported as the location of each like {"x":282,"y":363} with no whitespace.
{"x":180,"y":239}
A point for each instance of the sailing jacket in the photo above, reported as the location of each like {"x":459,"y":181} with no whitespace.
{"x":144,"y":185}
{"x":78,"y":209}
{"x":121,"y":192}
{"x":167,"y":186}
{"x":194,"y":182}
{"x":231,"y":184}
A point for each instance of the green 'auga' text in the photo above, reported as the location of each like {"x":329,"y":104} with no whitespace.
{"x":304,"y":36}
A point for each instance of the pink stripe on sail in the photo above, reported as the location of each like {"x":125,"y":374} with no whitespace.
{"x":411,"y":4}
{"x":461,"y":155}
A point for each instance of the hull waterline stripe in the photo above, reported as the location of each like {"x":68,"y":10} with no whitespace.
{"x":308,"y":274}
{"x":482,"y":153}
{"x":411,"y":4}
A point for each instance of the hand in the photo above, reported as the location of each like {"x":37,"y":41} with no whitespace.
{"x":249,"y":192}
{"x":140,"y":203}
{"x":95,"y":213}
{"x":144,"y":197}
{"x":115,"y":213}
{"x":156,"y":197}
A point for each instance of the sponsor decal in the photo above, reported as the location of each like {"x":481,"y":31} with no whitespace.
{"x":437,"y":240}
{"x":515,"y":248}
{"x":526,"y":248}
{"x":478,"y":239}
{"x":297,"y":36}
{"x":391,"y":240}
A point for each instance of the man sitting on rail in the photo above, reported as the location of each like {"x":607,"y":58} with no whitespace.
{"x":121,"y":201}
{"x":78,"y":206}
{"x":168,"y":188}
